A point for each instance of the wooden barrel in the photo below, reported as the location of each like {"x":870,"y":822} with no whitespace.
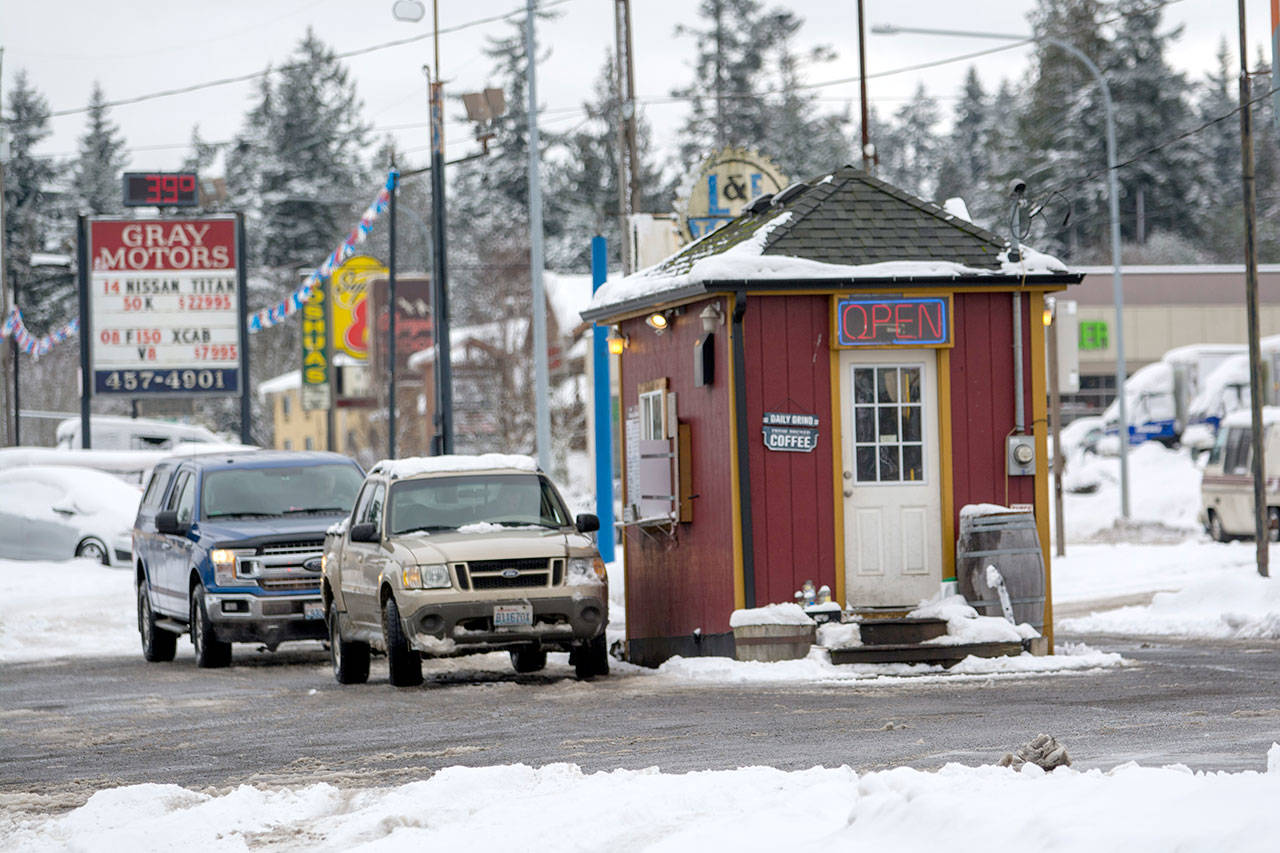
{"x":773,"y":642}
{"x":1010,"y":542}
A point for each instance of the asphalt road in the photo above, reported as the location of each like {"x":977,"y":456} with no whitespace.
{"x":70,"y":727}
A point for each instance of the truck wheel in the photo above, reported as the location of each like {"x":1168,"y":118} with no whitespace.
{"x":528,"y":659}
{"x":1215,"y":528}
{"x":158,"y":645}
{"x":592,"y":659}
{"x":404,"y":664}
{"x":211,"y":653}
{"x":350,"y":658}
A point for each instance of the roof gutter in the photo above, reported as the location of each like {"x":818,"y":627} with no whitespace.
{"x":744,"y":457}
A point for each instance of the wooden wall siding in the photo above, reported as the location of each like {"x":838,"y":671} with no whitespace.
{"x":788,"y":369}
{"x":982,"y":399}
{"x":676,"y":586}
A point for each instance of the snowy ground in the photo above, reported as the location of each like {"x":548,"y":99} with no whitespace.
{"x":1201,"y":589}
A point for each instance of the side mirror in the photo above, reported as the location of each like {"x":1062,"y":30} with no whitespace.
{"x":365,"y":531}
{"x":587,"y":523}
{"x":167,"y":522}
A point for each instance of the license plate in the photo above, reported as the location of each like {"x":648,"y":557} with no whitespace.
{"x":512,"y":615}
{"x":313,"y":609}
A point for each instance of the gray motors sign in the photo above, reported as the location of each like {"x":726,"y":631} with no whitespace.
{"x":790,"y":431}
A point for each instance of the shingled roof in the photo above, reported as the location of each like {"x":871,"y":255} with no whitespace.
{"x":818,"y":231}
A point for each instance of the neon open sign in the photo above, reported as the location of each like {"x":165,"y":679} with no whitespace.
{"x":923,"y":321}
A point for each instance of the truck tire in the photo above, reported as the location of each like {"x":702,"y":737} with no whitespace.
{"x":158,"y":645}
{"x":404,"y":665}
{"x":1216,"y":530}
{"x":528,"y":659}
{"x":592,"y":659}
{"x":211,"y":653}
{"x":350,"y":657}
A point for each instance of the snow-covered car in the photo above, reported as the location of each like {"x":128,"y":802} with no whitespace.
{"x":1082,"y":434}
{"x":56,"y":512}
{"x":453,"y":555}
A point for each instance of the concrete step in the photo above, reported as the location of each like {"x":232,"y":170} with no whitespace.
{"x":946,"y":656}
{"x":900,"y":631}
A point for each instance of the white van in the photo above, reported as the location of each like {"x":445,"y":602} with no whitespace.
{"x":108,"y":432}
{"x":1226,"y":488}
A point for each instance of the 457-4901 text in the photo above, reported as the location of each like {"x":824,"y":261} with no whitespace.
{"x":210,"y":380}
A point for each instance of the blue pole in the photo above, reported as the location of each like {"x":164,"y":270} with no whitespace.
{"x":603,"y":411}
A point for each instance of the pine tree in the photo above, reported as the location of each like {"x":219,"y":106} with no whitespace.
{"x":966,"y":159}
{"x":47,"y":296}
{"x":585,"y":179}
{"x":101,"y":161}
{"x":909,"y":148}
{"x":299,"y":172}
{"x":803,"y":141}
{"x":726,"y":97}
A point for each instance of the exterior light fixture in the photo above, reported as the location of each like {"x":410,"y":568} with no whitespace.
{"x":408,"y":10}
{"x":711,"y":316}
{"x":658,"y":321}
{"x":1049,"y":309}
{"x":617,"y":341}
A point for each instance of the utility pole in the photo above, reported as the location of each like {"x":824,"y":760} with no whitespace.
{"x":440,"y":283}
{"x":719,"y":76}
{"x":868,"y":156}
{"x":621,"y":56}
{"x":8,"y":354}
{"x":1260,"y":513}
{"x":540,"y":399}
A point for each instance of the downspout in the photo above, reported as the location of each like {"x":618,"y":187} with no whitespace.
{"x":1019,"y":419}
{"x":744,"y":457}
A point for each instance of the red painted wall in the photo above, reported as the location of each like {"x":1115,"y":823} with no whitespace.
{"x":982,"y":399}
{"x":676,"y":585}
{"x":788,"y":369}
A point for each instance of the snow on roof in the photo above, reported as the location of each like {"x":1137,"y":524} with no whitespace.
{"x":956,"y":207}
{"x":746,"y":260}
{"x":415,"y":465}
{"x":283,"y":382}
{"x":1233,"y":371}
{"x":1244,"y":417}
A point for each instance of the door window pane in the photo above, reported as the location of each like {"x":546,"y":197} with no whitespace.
{"x":888,"y":415}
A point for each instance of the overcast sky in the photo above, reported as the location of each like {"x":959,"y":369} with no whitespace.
{"x":139,"y":47}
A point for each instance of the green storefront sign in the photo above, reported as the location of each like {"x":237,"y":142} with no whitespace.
{"x":1093,"y":335}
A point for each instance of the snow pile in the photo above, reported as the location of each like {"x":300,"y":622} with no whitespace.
{"x":964,"y":625}
{"x":1164,"y":493}
{"x":770,"y":614}
{"x":1094,"y":572}
{"x":79,"y":607}
{"x":838,"y":635}
{"x":415,"y":465}
{"x":961,"y":808}
{"x":1241,"y":605}
{"x":818,"y":669}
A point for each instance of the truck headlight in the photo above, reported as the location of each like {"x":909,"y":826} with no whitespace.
{"x":586,"y":570}
{"x":224,"y":564}
{"x":429,"y":576}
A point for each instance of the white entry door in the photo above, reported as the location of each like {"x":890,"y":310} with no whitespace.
{"x":892,"y":496}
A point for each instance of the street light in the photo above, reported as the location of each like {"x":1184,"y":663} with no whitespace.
{"x":1117,"y":282}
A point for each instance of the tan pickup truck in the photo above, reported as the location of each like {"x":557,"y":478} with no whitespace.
{"x":454,"y":555}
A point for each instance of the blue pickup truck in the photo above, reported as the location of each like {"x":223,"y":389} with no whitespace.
{"x":227,"y":548}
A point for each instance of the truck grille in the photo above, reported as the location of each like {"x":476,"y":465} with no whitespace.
{"x":530,"y":572}
{"x":282,"y":565}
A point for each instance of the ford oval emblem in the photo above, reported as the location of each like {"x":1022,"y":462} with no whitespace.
{"x":313,"y":565}
{"x":510,"y":573}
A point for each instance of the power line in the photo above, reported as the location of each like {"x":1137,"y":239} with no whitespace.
{"x":257,"y":75}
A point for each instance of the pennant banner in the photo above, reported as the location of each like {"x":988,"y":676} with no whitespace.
{"x":264,"y":319}
{"x":293,"y":303}
{"x":29,"y":343}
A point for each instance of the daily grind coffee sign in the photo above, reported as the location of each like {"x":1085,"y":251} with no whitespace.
{"x":165,"y":307}
{"x":790,"y":431}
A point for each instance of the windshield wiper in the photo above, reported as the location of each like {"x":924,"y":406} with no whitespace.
{"x":315,"y":509}
{"x":243,"y":515}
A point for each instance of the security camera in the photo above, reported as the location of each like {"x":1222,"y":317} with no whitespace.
{"x":1017,"y":187}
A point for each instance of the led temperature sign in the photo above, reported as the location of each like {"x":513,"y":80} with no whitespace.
{"x":168,"y":189}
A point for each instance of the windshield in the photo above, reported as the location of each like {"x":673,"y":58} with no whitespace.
{"x":266,"y":492}
{"x":447,"y":503}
